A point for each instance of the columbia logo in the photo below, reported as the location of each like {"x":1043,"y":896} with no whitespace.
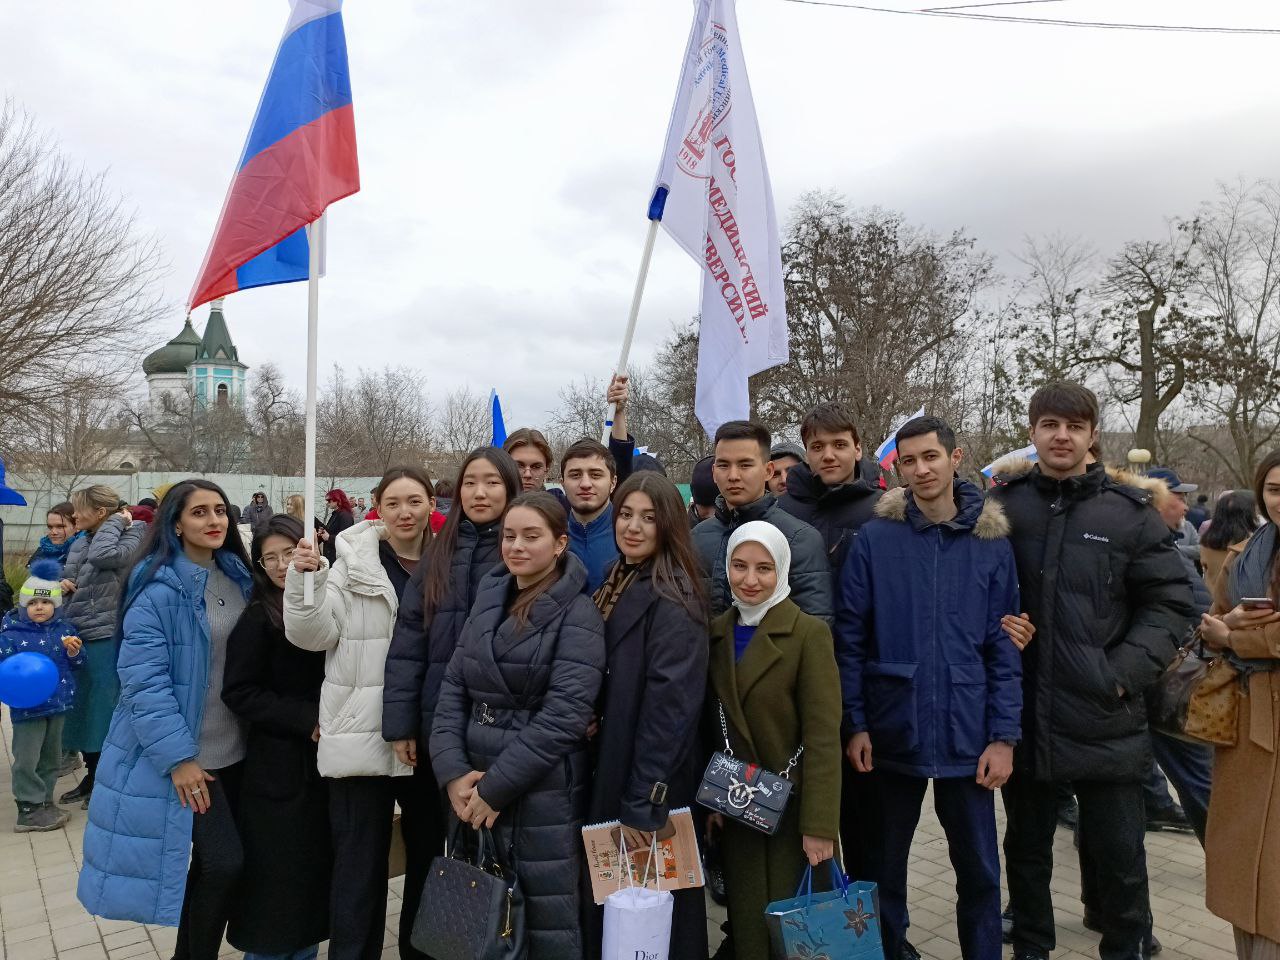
{"x":1094,"y":536}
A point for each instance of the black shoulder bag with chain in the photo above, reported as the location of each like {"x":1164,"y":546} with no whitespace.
{"x":745,"y":791}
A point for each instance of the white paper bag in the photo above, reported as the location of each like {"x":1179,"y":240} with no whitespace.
{"x":637,"y":924}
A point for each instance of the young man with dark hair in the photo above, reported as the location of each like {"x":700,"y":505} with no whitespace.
{"x":590,"y":475}
{"x":1110,"y":600}
{"x":932,"y":685}
{"x":742,"y":470}
{"x":829,"y":492}
{"x":783,"y":456}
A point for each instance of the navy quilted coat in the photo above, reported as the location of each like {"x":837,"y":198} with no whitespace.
{"x":19,"y":634}
{"x":515,"y":703}
{"x":137,"y":843}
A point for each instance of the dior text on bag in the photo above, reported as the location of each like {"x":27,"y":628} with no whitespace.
{"x":470,"y":909}
{"x":744,"y":791}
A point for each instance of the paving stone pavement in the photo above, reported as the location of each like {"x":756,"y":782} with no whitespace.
{"x":40,"y":918}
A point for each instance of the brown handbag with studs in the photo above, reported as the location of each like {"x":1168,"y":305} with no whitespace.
{"x":1197,"y":699}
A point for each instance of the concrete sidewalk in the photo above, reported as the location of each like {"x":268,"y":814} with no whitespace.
{"x":40,"y":918}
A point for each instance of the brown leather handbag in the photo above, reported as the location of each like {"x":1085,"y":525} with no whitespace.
{"x":1197,"y":699}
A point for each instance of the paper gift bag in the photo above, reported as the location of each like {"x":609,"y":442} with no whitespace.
{"x":840,"y":924}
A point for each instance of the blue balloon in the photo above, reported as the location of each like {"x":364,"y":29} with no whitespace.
{"x":27,"y":680}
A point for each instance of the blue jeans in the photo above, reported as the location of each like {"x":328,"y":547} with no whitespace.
{"x":1189,"y":767}
{"x":306,"y":953}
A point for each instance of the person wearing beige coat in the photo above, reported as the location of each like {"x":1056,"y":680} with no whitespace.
{"x":1242,"y":848}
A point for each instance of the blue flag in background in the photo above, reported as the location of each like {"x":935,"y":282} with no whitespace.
{"x":499,"y":428}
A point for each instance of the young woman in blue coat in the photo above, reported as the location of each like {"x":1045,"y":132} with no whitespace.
{"x":166,"y":785}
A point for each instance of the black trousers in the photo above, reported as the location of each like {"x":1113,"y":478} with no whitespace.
{"x":360,"y":812}
{"x":1112,"y":827}
{"x":861,"y":814}
{"x":968,"y":817}
{"x":217,"y":858}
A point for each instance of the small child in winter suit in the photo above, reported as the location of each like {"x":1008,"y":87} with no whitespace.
{"x":35,"y":627}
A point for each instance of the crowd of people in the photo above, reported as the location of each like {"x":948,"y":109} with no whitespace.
{"x":261,"y":727}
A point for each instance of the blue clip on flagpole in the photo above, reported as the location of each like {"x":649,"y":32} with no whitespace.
{"x":656,"y":207}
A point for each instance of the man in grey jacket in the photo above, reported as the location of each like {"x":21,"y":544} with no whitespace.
{"x":742,"y":470}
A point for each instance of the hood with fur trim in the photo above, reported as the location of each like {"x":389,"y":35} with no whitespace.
{"x":991,"y":524}
{"x":1011,"y":467}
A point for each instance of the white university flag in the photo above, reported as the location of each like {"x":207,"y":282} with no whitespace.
{"x":720,"y":209}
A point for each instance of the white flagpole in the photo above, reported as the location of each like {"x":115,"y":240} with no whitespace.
{"x":314,"y":239}
{"x":636,"y":297}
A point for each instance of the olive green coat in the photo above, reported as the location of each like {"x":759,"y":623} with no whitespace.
{"x":785,"y":691}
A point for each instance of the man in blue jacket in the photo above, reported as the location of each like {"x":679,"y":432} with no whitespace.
{"x":932,"y":684}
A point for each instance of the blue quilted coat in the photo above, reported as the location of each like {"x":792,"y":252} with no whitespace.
{"x":137,"y":843}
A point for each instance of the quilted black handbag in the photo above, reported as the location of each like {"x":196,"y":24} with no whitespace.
{"x":744,"y":791}
{"x":470,"y":909}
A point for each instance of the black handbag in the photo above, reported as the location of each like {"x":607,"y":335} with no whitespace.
{"x":746,"y":792}
{"x":470,"y":909}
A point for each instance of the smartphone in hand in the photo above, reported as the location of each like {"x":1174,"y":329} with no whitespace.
{"x":1257,"y":603}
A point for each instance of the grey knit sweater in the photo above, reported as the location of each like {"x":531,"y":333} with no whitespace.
{"x":222,"y":733}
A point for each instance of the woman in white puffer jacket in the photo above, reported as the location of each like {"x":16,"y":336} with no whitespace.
{"x":352,"y":620}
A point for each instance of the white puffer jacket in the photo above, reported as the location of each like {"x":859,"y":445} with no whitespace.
{"x":352,"y":620}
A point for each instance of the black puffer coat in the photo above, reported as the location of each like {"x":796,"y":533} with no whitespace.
{"x":515,"y":703}
{"x":810,"y":576}
{"x":1110,"y":599}
{"x":835,"y":512}
{"x":418,"y":656}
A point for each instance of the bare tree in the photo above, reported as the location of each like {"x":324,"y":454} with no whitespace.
{"x":879,"y":313}
{"x":580,"y":413}
{"x":277,"y":422}
{"x":186,"y":433}
{"x":1239,"y":286}
{"x":77,"y":282}
{"x":465,"y":424}
{"x":381,"y":419}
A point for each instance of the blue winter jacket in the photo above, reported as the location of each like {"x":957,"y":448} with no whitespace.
{"x":18,"y":634}
{"x":594,"y":544}
{"x":137,"y":843}
{"x":925,"y":667}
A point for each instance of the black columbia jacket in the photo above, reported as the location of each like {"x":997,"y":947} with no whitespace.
{"x":1110,"y":599}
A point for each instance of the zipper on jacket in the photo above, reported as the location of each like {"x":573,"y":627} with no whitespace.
{"x":933,"y":727}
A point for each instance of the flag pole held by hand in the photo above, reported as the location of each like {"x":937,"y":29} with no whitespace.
{"x":314,"y":239}
{"x":655,"y":217}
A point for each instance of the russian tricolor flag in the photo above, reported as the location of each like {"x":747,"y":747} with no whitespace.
{"x":299,"y":158}
{"x":887,"y":452}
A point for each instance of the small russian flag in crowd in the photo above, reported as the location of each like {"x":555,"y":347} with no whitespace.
{"x":1026,"y":453}
{"x":887,"y":452}
{"x":499,"y":425}
{"x":299,"y":158}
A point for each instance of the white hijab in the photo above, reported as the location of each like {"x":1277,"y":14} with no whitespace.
{"x":771,"y":538}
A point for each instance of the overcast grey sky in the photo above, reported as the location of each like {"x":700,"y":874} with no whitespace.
{"x":507,"y":150}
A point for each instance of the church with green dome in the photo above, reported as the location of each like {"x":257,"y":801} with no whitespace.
{"x":208,"y":366}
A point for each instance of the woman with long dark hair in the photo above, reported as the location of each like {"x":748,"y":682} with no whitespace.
{"x":646,"y":751}
{"x":1242,"y":846}
{"x":97,"y":564}
{"x":161,"y":845}
{"x":282,"y":900}
{"x":434,"y":607}
{"x":508,"y":742}
{"x":1235,"y":517}
{"x":351,"y":620}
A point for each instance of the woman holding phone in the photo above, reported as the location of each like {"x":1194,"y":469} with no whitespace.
{"x":1242,"y":846}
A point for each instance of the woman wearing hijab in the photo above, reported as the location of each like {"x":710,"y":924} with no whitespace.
{"x":773,"y":672}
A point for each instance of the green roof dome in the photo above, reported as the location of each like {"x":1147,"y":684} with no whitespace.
{"x":175,"y":355}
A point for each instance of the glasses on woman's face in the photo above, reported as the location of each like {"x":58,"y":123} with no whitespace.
{"x":274,"y":561}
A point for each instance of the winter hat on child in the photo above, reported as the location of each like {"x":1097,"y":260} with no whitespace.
{"x":44,"y":583}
